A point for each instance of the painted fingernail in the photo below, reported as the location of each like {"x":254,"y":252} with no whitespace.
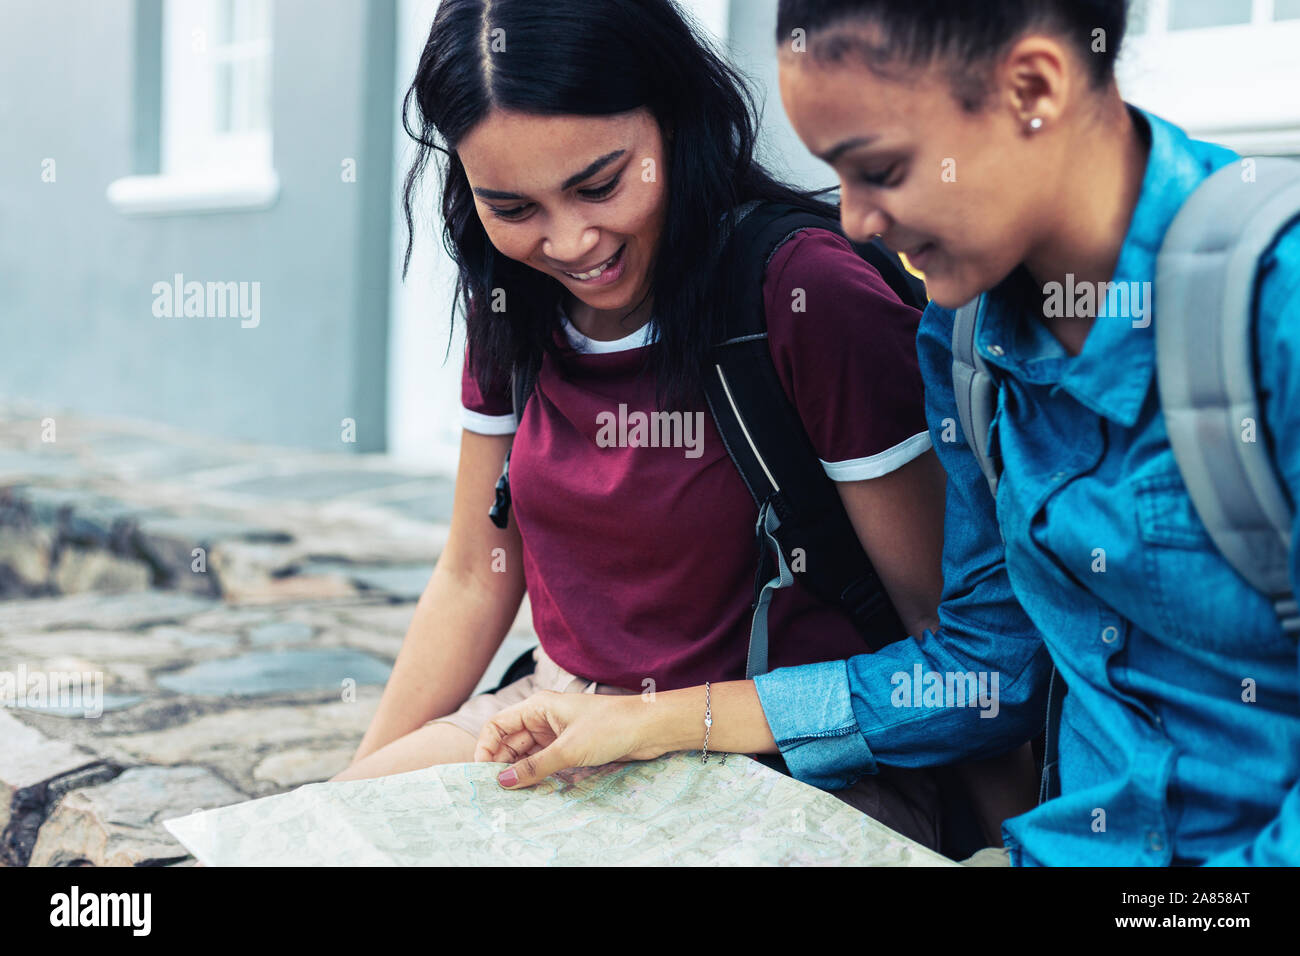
{"x":508,"y":777}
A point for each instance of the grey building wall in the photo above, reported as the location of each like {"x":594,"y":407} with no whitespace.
{"x":751,"y":42}
{"x":76,"y":319}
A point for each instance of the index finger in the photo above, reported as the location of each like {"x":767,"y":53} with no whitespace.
{"x":490,"y":739}
{"x":509,"y":726}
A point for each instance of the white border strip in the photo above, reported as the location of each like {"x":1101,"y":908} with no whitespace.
{"x":482,"y":424}
{"x":891,"y":459}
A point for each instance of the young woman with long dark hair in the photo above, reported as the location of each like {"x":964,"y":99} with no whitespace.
{"x":593,"y":151}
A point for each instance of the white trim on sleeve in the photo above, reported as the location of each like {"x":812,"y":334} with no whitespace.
{"x":891,"y":459}
{"x":482,"y":424}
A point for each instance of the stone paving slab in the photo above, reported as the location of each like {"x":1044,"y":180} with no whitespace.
{"x":241,"y":606}
{"x":293,"y":768}
{"x":318,"y":485}
{"x":405,"y":581}
{"x":151,"y":496}
{"x":90,"y":518}
{"x":31,"y":767}
{"x":119,"y":823}
{"x":263,"y":672}
{"x":84,"y":569}
{"x":100,"y":611}
{"x":259,"y":729}
{"x":25,"y":556}
{"x":29,"y":759}
{"x":248,"y":729}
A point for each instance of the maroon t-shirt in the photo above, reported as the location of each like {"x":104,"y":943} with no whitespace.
{"x":640,"y":560}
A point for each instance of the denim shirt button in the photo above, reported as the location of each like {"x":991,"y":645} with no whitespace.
{"x":1110,"y":634}
{"x":1059,"y":476}
{"x":1156,"y":842}
{"x":997,"y":350}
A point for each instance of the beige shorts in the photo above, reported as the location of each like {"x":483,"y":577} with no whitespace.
{"x":548,"y":675}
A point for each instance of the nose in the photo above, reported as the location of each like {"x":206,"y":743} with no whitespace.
{"x":569,"y":240}
{"x":861,"y":220}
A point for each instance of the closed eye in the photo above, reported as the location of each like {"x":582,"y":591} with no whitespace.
{"x":595,"y":194}
{"x":600,"y":192}
{"x":513,"y":214}
{"x":879,"y":179}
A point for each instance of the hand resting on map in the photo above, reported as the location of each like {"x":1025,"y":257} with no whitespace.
{"x":551,"y":731}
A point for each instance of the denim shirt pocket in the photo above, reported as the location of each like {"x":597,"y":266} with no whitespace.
{"x":1200,"y":600}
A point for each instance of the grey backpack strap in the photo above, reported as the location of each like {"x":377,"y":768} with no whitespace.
{"x":1205,"y":297}
{"x":768,"y":522}
{"x":975,"y":390}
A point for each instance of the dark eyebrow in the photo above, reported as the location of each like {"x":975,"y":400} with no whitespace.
{"x":836,"y":152}
{"x":569,"y":183}
{"x":495,"y":194}
{"x":593,"y":169}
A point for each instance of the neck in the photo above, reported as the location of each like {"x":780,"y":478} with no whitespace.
{"x":1098,"y":199}
{"x":603,"y":325}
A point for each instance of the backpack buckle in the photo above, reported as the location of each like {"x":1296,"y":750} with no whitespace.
{"x":500,"y":510}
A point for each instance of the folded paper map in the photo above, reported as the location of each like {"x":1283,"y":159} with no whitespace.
{"x":671,"y":811}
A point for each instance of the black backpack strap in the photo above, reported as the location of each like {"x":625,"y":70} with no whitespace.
{"x":522,"y":382}
{"x":523,"y":379}
{"x":521,"y":667}
{"x":802,"y":523}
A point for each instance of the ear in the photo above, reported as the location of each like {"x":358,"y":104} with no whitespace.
{"x":1035,"y":79}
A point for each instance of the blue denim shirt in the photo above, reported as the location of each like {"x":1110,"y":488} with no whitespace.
{"x":1179,"y":737}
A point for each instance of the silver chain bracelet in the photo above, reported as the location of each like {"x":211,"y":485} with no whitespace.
{"x":708,"y":723}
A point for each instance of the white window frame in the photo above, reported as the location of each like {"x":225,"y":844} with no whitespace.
{"x":202,"y":168}
{"x":1234,"y":85}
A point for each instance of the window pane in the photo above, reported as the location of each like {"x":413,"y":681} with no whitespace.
{"x":242,"y":21}
{"x":251,"y":21}
{"x":242,"y":96}
{"x":223,"y":93}
{"x":225,"y":22}
{"x":259,"y":94}
{"x":241,"y":83}
{"x":1195,"y":14}
{"x":1286,"y":10}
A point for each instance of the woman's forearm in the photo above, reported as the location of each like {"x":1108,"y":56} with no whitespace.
{"x":676,"y":719}
{"x":457,"y":627}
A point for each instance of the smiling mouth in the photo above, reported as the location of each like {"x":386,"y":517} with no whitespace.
{"x":920,"y":252}
{"x":600,"y":269}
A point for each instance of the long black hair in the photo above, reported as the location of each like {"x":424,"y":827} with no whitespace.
{"x":592,"y":58}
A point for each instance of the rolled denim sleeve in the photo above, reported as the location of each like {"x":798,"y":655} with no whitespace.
{"x":810,"y":712}
{"x":833,"y":721}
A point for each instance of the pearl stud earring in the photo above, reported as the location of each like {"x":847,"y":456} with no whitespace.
{"x":1035,"y":124}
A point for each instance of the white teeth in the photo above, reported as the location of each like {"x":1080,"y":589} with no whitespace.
{"x":594,"y":273}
